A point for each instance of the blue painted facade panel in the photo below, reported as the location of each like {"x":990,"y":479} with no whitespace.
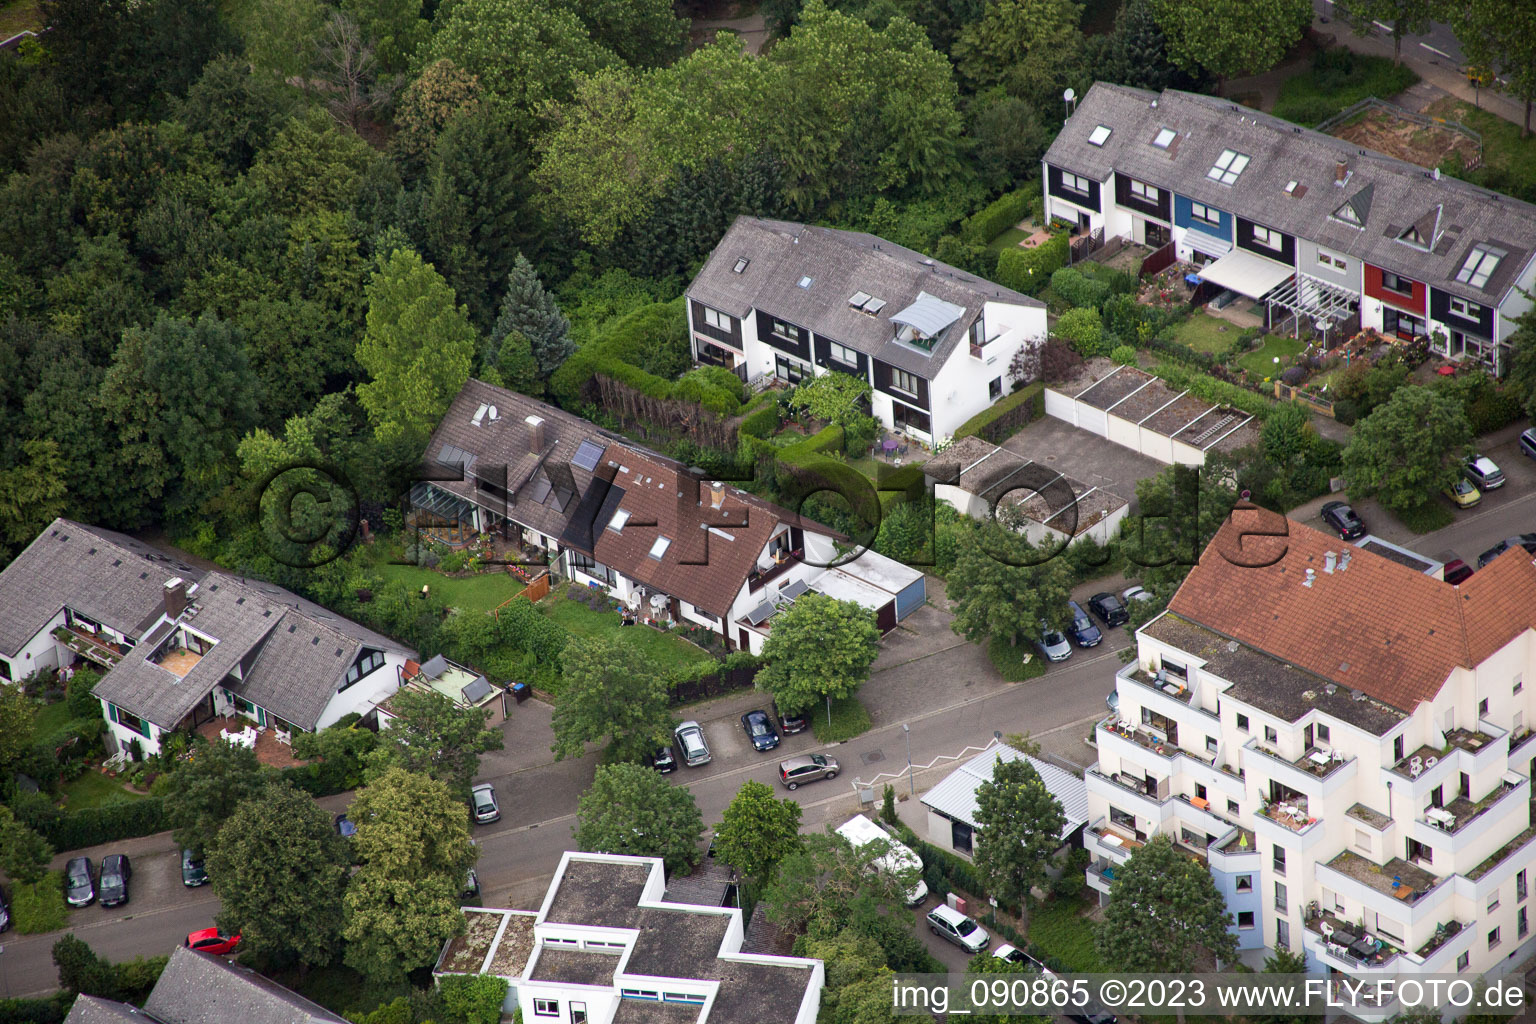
{"x":911,"y":598}
{"x":1185,"y":219}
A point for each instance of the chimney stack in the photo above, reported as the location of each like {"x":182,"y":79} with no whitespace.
{"x":1311,"y":575}
{"x":535,"y":434}
{"x":1330,"y":559}
{"x":1340,"y":172}
{"x":175,"y":597}
{"x":1344,"y":562}
{"x":716,"y":493}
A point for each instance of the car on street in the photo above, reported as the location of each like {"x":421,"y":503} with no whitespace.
{"x":193,"y":874}
{"x":797,"y":771}
{"x":948,"y":923}
{"x":5,"y":912}
{"x":483,"y":798}
{"x":760,"y":730}
{"x":1109,"y":608}
{"x":1483,"y":472}
{"x":690,"y":740}
{"x":1014,"y":955}
{"x":79,"y":886}
{"x":1525,"y":540}
{"x":1343,"y":520}
{"x":211,"y":940}
{"x":1463,"y":493}
{"x":1528,"y":443}
{"x":345,"y":826}
{"x":112,"y":887}
{"x":789,"y":724}
{"x":1457,"y":571}
{"x":1053,"y":644}
{"x":664,"y":761}
{"x":1081,"y":627}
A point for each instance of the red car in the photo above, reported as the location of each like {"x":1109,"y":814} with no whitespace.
{"x":211,"y":940}
{"x":1457,"y":571}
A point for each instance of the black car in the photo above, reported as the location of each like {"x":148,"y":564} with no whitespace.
{"x":113,"y":886}
{"x":1342,"y":519}
{"x":1525,"y":540}
{"x":760,"y":731}
{"x":192,"y":872}
{"x":79,"y":886}
{"x":791,"y":723}
{"x":664,"y":760}
{"x":1109,"y":608}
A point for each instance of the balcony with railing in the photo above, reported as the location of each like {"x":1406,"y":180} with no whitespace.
{"x":1516,"y":845}
{"x":1421,"y":761}
{"x":1397,"y":878}
{"x":1163,"y":683}
{"x":95,"y":647}
{"x":1520,"y":739}
{"x":1158,"y":743}
{"x":1292,"y":815}
{"x":1461,"y":812}
{"x":1348,"y":942}
{"x":782,"y":562}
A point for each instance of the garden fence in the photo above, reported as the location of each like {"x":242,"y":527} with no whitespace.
{"x":725,"y":681}
{"x":1158,"y":261}
{"x":1284,"y":391}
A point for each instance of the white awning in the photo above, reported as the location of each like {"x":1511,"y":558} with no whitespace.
{"x":1246,"y":274}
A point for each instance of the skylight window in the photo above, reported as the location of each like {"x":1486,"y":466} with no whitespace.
{"x":616,"y":524}
{"x":1098,"y":136}
{"x":1165,"y":138}
{"x":805,"y":282}
{"x":741,"y":265}
{"x":1480,"y":264}
{"x":1228,"y":166}
{"x":1290,"y":186}
{"x":660,"y":547}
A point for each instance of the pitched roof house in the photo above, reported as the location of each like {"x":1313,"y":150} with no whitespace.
{"x":951,"y":804}
{"x":1316,"y":227}
{"x":786,"y":300}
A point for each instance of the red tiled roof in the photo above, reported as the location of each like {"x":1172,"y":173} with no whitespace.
{"x":1377,"y":626}
{"x":699,"y":566}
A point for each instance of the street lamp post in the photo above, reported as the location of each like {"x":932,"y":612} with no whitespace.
{"x":911,"y":782}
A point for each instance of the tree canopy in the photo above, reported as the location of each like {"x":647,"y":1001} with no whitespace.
{"x":757,"y":831}
{"x":1164,"y":912}
{"x":820,"y":647}
{"x":1002,"y":586}
{"x":632,"y":808}
{"x":1408,"y":449}
{"x":207,"y":790}
{"x":1231,"y":38}
{"x":433,"y":735}
{"x":1019,"y":826}
{"x":611,"y":695}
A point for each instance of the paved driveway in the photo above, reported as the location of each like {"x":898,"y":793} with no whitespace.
{"x":1084,"y":456}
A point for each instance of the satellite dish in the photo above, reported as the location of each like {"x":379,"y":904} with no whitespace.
{"x":1069,"y":95}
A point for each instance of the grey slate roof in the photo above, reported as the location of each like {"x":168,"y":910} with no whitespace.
{"x":955,"y":796}
{"x":293,"y":651}
{"x":197,"y":988}
{"x":840,"y":264}
{"x":536,"y":483}
{"x":95,"y":1010}
{"x":106,"y":576}
{"x":1392,"y":194}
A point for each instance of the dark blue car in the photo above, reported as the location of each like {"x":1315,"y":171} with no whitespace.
{"x":760,"y":730}
{"x":1081,"y":628}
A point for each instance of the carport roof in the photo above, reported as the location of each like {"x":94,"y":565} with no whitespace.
{"x":955,"y":797}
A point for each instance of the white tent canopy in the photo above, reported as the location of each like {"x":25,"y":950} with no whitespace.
{"x":1246,"y":274}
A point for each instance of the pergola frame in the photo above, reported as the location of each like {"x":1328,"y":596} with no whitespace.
{"x":1326,"y":305}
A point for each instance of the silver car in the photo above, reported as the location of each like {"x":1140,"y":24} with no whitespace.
{"x":1053,"y":644}
{"x":690,"y":740}
{"x":483,"y":797}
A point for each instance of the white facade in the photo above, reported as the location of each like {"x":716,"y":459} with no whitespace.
{"x":37,"y":654}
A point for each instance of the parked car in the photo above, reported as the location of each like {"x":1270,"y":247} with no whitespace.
{"x":948,"y":923}
{"x":1112,"y":701}
{"x":760,"y":730}
{"x":1482,"y":471}
{"x":1528,"y":443}
{"x":483,"y":797}
{"x":1525,"y":540}
{"x":1343,"y":520}
{"x":211,"y":940}
{"x":690,"y":740}
{"x":792,"y":723}
{"x":113,"y":886}
{"x":1463,"y":493}
{"x":1456,"y":571}
{"x":1053,"y":644}
{"x":811,"y":768}
{"x":1109,"y":608}
{"x":345,"y":826}
{"x":1091,"y":1016}
{"x":5,"y":912}
{"x":1130,"y":594}
{"x":79,"y":886}
{"x":1014,"y":955}
{"x":1081,"y":628}
{"x":663,"y":761}
{"x":193,"y":874}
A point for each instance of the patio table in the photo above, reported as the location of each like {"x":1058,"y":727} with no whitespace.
{"x":889,"y":444}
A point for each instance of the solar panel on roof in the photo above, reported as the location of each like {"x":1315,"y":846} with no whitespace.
{"x":453,"y":455}
{"x":476,"y":691}
{"x":587,"y":456}
{"x":434,"y":666}
{"x":795,"y":589}
{"x":757,"y":616}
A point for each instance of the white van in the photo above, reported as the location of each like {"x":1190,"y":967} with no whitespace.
{"x":860,"y":831}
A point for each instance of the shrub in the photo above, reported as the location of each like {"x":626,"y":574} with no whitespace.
{"x":1030,"y":270}
{"x":1073,"y":288}
{"x":761,"y":423}
{"x":1425,"y":518}
{"x":1083,"y":328}
{"x":1007,"y":416}
{"x":473,"y":999}
{"x":1009,"y":660}
{"x":39,"y":907}
{"x":1125,"y":355}
{"x":1059,"y":361}
{"x":1217,"y":392}
{"x":82,"y":702}
{"x":454,"y":561}
{"x":1294,"y":375}
{"x":1339,"y":78}
{"x":1002,"y":213}
{"x":51,"y":1010}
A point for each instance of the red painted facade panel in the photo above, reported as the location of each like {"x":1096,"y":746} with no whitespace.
{"x":1413,"y":304}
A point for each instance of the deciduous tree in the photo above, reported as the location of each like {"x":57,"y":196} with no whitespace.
{"x":280,"y":869}
{"x":1408,"y":449}
{"x":1231,"y":38}
{"x":1019,"y":830}
{"x":1404,"y":18}
{"x":1003,"y":586}
{"x":1286,"y":962}
{"x":828,"y":885}
{"x":417,"y":348}
{"x":631,"y":808}
{"x":1522,"y":361}
{"x":207,"y":789}
{"x":757,"y":831}
{"x":1180,"y":509}
{"x":24,"y":855}
{"x":835,"y":397}
{"x":412,"y":828}
{"x":610,"y":694}
{"x":1028,"y":47}
{"x":32,"y":493}
{"x":1164,"y":913}
{"x":81,"y":971}
{"x":394,"y":925}
{"x":643,"y":33}
{"x":431,"y":734}
{"x":395,"y":26}
{"x":820,"y":647}
{"x":1500,"y":37}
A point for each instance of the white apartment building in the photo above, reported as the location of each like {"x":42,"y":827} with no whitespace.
{"x":1345,"y":742}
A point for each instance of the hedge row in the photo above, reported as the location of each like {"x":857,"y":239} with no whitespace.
{"x":1006,"y":416}
{"x":1001,"y":214}
{"x":51,"y":1010}
{"x":92,"y":826}
{"x":761,"y":423}
{"x":1030,"y":270}
{"x":1217,"y":392}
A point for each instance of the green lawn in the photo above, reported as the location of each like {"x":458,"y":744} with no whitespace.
{"x":1009,"y":660}
{"x":471,"y":593}
{"x":19,"y":15}
{"x":93,"y":789}
{"x":1261,"y":362}
{"x":1060,"y":930}
{"x":1338,"y":79}
{"x":1011,"y":237}
{"x":1509,"y":160}
{"x":661,"y":649}
{"x":849,"y":719}
{"x":1205,"y":333}
{"x":48,"y":718}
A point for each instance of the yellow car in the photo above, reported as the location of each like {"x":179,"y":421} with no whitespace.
{"x":1463,"y":493}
